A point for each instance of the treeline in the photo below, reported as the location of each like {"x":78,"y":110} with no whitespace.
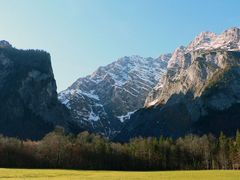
{"x":89,"y":151}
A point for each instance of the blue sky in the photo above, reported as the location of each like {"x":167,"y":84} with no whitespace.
{"x":84,"y":34}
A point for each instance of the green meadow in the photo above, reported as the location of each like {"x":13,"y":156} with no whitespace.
{"x":27,"y":174}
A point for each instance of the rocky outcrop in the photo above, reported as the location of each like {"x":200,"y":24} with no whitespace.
{"x":29,"y":107}
{"x":199,"y":93}
{"x":173,"y":64}
{"x":103,"y":101}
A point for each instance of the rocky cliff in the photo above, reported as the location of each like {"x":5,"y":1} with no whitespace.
{"x":29,"y":107}
{"x":198,"y":94}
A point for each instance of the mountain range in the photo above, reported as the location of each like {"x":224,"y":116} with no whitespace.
{"x":172,"y":95}
{"x":194,"y":89}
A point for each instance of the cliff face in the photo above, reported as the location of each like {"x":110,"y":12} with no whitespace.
{"x":199,"y":93}
{"x":29,"y":107}
{"x":179,"y":64}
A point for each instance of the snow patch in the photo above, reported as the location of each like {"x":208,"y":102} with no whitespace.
{"x":126,"y":116}
{"x":93,"y":117}
{"x":90,"y":94}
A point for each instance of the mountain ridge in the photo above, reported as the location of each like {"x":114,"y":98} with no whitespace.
{"x":107,"y":97}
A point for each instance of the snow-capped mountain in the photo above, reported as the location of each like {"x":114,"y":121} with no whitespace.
{"x":102,"y":101}
{"x":229,"y":40}
{"x":198,"y":94}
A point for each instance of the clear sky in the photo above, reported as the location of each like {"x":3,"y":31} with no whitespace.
{"x":84,"y":34}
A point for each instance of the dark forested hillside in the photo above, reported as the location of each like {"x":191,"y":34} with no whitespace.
{"x":29,"y":107}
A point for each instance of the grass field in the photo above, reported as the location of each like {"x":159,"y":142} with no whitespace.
{"x":16,"y":174}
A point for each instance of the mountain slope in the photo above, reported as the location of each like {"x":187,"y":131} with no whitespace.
{"x":199,"y":93}
{"x":102,"y":101}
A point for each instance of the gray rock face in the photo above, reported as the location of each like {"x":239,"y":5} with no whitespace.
{"x":29,"y":106}
{"x":199,"y":93}
{"x":104,"y":100}
{"x":206,"y":43}
{"x":174,"y":63}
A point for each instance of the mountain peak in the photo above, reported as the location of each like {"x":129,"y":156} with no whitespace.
{"x":5,"y":44}
{"x":165,"y":57}
{"x":128,"y":59}
{"x":232,"y":29}
{"x":232,"y":34}
{"x":202,"y":40}
{"x":174,"y":60}
{"x":102,"y":101}
{"x":228,"y":40}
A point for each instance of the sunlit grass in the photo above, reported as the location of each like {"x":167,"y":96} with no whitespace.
{"x":17,"y":174}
